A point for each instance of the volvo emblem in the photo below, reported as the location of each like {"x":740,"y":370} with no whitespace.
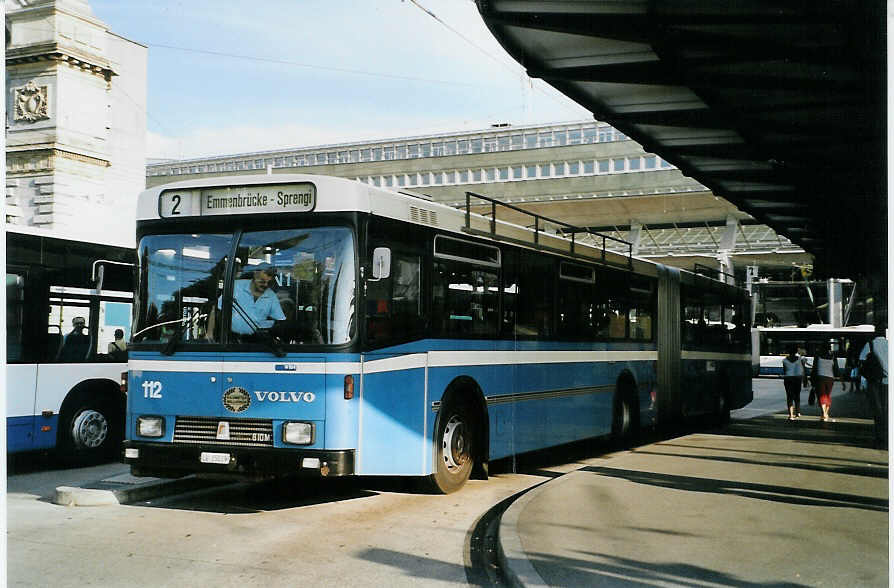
{"x":236,"y":399}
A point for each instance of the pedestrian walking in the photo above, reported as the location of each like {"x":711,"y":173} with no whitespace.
{"x":825,"y":371}
{"x":793,"y":377}
{"x":873,"y":367}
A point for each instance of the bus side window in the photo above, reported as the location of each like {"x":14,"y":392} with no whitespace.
{"x":394,"y":304}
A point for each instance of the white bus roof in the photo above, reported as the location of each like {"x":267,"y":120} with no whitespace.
{"x":333,"y":194}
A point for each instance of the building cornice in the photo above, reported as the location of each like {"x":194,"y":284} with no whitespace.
{"x":59,"y":53}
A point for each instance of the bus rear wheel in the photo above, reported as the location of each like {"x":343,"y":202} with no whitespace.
{"x":623,"y":423}
{"x":454,"y":436}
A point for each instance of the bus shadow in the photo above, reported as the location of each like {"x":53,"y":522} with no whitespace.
{"x":264,"y":496}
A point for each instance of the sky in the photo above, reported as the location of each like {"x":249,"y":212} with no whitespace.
{"x":235,"y":77}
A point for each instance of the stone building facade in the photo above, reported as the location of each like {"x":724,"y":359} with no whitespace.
{"x":75,"y":121}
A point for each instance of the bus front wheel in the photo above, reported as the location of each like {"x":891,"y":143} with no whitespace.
{"x":455,"y":437}
{"x":88,"y":433}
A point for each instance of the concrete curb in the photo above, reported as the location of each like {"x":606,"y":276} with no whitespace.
{"x":515,"y":563}
{"x":126,"y":489}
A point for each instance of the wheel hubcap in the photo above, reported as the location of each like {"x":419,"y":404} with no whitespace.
{"x":454,"y":446}
{"x":90,"y":429}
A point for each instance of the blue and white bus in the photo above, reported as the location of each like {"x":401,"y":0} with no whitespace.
{"x":771,"y":344}
{"x":63,"y":390}
{"x":300,"y":324}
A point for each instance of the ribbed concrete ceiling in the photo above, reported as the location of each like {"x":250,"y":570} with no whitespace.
{"x":777,"y":106}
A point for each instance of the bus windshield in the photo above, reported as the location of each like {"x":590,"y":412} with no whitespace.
{"x":293,"y":286}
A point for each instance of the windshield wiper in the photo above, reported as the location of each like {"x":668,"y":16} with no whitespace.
{"x":265,"y":337}
{"x":185,"y":323}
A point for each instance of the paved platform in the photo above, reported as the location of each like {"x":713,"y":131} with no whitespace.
{"x":763,"y":502}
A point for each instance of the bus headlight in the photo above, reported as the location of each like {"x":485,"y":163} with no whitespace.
{"x":298,"y":433}
{"x":150,"y":426}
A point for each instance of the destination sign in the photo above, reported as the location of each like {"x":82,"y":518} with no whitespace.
{"x":238,"y":200}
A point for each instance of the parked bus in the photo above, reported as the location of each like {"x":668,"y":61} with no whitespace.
{"x":289,"y":324}
{"x":65,"y":298}
{"x":771,"y":343}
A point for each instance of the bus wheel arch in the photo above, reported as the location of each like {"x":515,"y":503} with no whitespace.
{"x":625,"y":408}
{"x":461,"y":436}
{"x":91,"y":421}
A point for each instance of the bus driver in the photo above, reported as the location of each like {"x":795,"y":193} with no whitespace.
{"x":254,"y":298}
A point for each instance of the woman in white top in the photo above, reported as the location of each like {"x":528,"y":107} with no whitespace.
{"x":793,"y":375}
{"x":825,"y":371}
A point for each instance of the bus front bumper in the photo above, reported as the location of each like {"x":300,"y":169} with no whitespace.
{"x":167,"y":460}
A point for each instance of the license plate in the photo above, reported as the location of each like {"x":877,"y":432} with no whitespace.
{"x":207,"y":457}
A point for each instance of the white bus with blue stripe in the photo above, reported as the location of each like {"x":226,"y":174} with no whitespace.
{"x":63,"y":385}
{"x":299,"y":324}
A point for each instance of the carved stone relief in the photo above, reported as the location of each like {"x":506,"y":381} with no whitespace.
{"x":31,"y":103}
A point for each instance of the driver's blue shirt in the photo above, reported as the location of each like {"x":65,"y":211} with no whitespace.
{"x":263,"y":310}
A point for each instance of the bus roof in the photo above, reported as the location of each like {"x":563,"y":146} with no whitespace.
{"x":334,"y":194}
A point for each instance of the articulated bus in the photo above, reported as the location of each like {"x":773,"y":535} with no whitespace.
{"x":770,"y":344}
{"x":65,"y":299}
{"x":301,"y":324}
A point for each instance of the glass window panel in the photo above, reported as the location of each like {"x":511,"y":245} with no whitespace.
{"x":388,"y":153}
{"x":450,"y":177}
{"x":545,"y":170}
{"x":400,"y":152}
{"x":476,"y":175}
{"x":531,"y":171}
{"x":462,"y":146}
{"x":298,"y":284}
{"x":530,"y":140}
{"x":517,"y":142}
{"x":394,"y":308}
{"x":437,"y":149}
{"x":503,"y":143}
{"x":618,"y":164}
{"x":180,"y":283}
{"x":449,"y":147}
{"x":413,"y":150}
{"x":476,"y":145}
{"x":650,"y":161}
{"x":634,"y":163}
{"x":589,"y":166}
{"x":389,"y":180}
{"x":491,"y":174}
{"x":465,"y":301}
{"x":546,"y":139}
{"x":439,"y":177}
{"x":401,"y":180}
{"x":504,"y":173}
{"x":517,"y":172}
{"x":603,"y":166}
{"x":559,"y":167}
{"x":464,"y":176}
{"x":561,"y":138}
{"x":425,"y":178}
{"x":377,"y":154}
{"x":573,"y":168}
{"x":574,"y":136}
{"x":425,"y":149}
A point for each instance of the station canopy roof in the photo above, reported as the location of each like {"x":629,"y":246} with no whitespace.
{"x":777,"y":106}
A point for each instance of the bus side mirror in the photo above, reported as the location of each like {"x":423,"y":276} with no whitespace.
{"x":381,"y":263}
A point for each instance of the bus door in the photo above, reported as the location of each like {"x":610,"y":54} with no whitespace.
{"x":21,"y":359}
